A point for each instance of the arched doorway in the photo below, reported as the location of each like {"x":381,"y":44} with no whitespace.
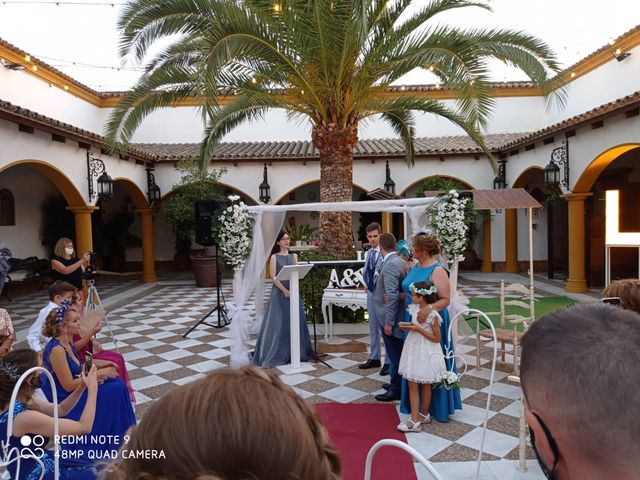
{"x":47,"y":206}
{"x":549,"y":224}
{"x":615,"y":169}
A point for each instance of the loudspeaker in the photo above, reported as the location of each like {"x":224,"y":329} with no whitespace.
{"x":204,"y":211}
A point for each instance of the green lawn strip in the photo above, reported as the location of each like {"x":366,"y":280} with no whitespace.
{"x":543,"y":306}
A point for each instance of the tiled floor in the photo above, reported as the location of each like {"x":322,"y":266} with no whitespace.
{"x":148,"y":322}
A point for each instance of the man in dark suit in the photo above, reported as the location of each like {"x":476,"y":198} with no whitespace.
{"x":388,"y":283}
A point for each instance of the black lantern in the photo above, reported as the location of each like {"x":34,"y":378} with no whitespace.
{"x":500,"y":182}
{"x":153,"y":190}
{"x":559,"y":156}
{"x":96,"y":167}
{"x":265,"y":189}
{"x":389,"y":185}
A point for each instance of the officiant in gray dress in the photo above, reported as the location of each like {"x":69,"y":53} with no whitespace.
{"x":274,"y":340}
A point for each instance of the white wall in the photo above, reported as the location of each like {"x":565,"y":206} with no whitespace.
{"x":30,"y":188}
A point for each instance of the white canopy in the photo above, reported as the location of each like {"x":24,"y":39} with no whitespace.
{"x":269,"y":220}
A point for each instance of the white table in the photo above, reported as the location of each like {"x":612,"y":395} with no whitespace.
{"x":353,"y":298}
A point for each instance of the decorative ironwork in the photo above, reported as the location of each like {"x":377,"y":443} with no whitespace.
{"x":265,"y":188}
{"x":153,"y":190}
{"x":559,"y":157}
{"x":96,"y":168}
{"x":389,"y":185}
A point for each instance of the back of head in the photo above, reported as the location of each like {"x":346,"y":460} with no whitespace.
{"x":232,"y":424}
{"x":60,"y":287}
{"x":579,"y":370}
{"x":388,"y":242}
{"x":12,"y":366}
{"x":628,"y":290}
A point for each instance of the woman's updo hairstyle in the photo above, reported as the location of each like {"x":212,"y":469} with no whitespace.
{"x":55,"y":320}
{"x":12,"y":366}
{"x":427,"y":242}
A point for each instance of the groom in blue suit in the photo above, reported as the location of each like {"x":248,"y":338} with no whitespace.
{"x":388,"y":283}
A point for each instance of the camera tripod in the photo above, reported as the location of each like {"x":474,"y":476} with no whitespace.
{"x":220,"y":307}
{"x":93,"y":302}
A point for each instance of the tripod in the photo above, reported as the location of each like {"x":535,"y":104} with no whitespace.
{"x":316,"y":355}
{"x":220,"y":308}
{"x":93,"y":302}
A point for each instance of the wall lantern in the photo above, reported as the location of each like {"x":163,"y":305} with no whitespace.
{"x":559,"y":156}
{"x":500,"y":182}
{"x":153,"y":190}
{"x":389,"y":185}
{"x":96,"y":167}
{"x":265,"y":188}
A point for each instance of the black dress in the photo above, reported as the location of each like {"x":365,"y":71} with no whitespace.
{"x":74,"y":278}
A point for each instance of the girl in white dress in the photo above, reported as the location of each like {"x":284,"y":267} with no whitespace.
{"x":422,"y":361}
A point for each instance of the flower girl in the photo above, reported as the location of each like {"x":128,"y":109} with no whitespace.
{"x":422,"y":362}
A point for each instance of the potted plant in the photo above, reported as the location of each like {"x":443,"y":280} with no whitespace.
{"x":301,"y":233}
{"x":195,"y":184}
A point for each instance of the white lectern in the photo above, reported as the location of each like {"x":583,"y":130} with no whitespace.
{"x":294,"y":273}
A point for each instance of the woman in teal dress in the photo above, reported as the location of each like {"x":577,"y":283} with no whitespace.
{"x":425,"y":246}
{"x":273,"y":347}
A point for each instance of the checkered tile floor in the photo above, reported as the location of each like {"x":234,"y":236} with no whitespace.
{"x":148,"y":328}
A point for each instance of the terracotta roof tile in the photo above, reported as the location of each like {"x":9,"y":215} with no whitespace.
{"x":298,"y":150}
{"x":15,"y":113}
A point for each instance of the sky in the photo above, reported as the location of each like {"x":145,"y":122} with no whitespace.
{"x":84,"y":33}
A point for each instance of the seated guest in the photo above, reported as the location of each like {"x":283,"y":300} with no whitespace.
{"x":7,"y":333}
{"x":32,"y":417}
{"x":230,"y":434}
{"x":627,"y":290}
{"x":101,"y":357}
{"x":114,"y":411}
{"x":58,"y":291}
{"x":578,"y":370}
{"x":65,"y":266}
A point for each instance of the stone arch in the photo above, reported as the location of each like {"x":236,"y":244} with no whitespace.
{"x":57,"y":177}
{"x":595,"y":168}
{"x":138,"y":197}
{"x":520,"y":182}
{"x":450,"y":177}
{"x":167,"y":195}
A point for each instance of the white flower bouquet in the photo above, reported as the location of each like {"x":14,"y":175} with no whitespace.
{"x":448,"y":380}
{"x":233,"y":231}
{"x":449,"y":224}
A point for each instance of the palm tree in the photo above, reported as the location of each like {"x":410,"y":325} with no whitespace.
{"x":328,"y":61}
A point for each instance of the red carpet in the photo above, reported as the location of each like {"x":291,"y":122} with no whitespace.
{"x":354,"y":428}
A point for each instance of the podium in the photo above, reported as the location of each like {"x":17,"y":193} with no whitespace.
{"x":293,"y":273}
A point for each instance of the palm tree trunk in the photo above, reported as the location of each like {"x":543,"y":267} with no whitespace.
{"x":336,"y":146}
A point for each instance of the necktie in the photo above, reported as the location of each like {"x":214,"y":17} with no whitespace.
{"x":371,"y":269}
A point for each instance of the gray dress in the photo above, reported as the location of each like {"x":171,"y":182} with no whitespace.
{"x":274,"y":341}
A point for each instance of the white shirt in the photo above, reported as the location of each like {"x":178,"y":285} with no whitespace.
{"x":36,"y":340}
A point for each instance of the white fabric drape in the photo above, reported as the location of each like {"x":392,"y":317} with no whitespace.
{"x":269,"y":220}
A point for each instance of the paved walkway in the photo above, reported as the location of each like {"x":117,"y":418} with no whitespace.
{"x":148,"y":321}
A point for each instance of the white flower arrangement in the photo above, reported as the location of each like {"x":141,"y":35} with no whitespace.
{"x":233,"y":232}
{"x":448,"y":222}
{"x":448,"y":380}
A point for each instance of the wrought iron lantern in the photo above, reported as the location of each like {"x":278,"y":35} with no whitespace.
{"x":389,"y":185}
{"x":153,"y":190}
{"x":559,"y":157}
{"x":500,"y":182}
{"x":95,"y":167}
{"x":265,"y":188}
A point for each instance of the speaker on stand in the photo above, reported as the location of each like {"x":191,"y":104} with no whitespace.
{"x":204,"y":214}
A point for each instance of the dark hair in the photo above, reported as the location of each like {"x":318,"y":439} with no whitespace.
{"x":276,"y":247}
{"x":429,"y":297}
{"x":231,"y":435}
{"x":628,"y":290}
{"x":427,"y":242}
{"x":60,"y":287}
{"x":19,"y":361}
{"x":373,"y":226}
{"x":579,"y":370}
{"x":388,"y":242}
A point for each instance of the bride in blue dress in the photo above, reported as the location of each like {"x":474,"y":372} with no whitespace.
{"x":425,"y":246}
{"x":114,"y":410}
{"x":273,"y":347}
{"x":33,"y":422}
